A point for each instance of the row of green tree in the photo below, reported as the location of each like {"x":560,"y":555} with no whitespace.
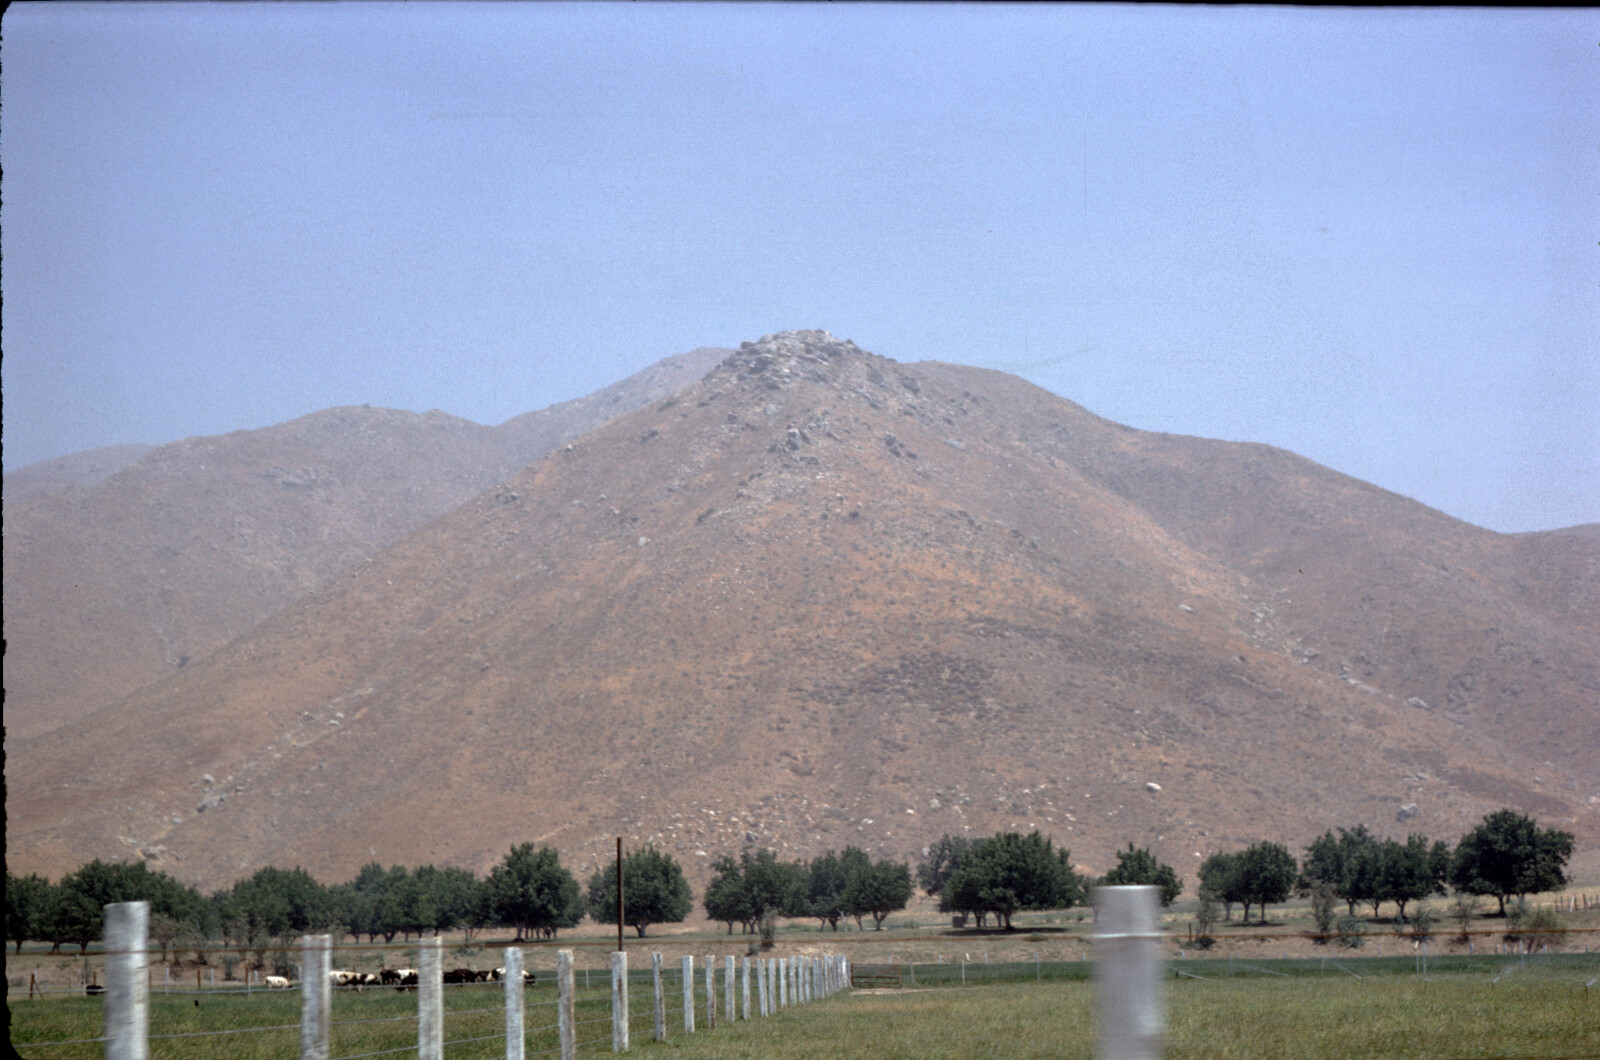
{"x":996,"y":876}
{"x":754,"y":889}
{"x":1506,"y":855}
{"x":529,"y":891}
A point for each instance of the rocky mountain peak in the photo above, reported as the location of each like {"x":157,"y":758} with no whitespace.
{"x":782,"y":358}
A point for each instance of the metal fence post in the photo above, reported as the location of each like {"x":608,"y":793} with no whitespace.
{"x":127,"y":999}
{"x":565,"y":1007}
{"x":515,"y":1039}
{"x":430,"y":999}
{"x":1128,"y":973}
{"x":727,"y":989}
{"x":316,"y":995}
{"x":688,"y":995}
{"x":658,"y":997}
{"x":619,"y":1001}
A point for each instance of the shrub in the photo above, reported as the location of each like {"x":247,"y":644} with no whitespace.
{"x":1422,"y":920}
{"x":1535,"y":924}
{"x":1463,"y":910}
{"x":1352,"y":932}
{"x":1324,"y":910}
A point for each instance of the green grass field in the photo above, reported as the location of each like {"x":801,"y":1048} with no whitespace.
{"x":1466,"y":1007}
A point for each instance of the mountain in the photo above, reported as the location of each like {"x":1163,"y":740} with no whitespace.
{"x":79,"y":470}
{"x":123,"y":566}
{"x":820,"y":597}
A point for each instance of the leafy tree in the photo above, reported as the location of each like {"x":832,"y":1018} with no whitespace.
{"x":654,"y":891}
{"x":725,"y":898}
{"x":877,"y":890}
{"x":1509,"y":854}
{"x":532,"y":892}
{"x":1266,"y":875}
{"x":73,"y":911}
{"x":25,"y":897}
{"x":276,"y":903}
{"x":1205,"y":918}
{"x":1323,"y":910}
{"x":1009,"y":872}
{"x":1409,"y":871}
{"x":356,"y":905}
{"x":389,"y":909}
{"x":455,"y":892}
{"x":944,"y":857}
{"x":68,"y":914}
{"x":1220,"y":881}
{"x":1136,"y":867}
{"x":826,"y":881}
{"x":778,"y":888}
{"x":1349,"y":863}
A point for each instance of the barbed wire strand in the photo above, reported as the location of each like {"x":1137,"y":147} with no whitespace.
{"x":375,"y":1019}
{"x":381,"y":1052}
{"x":235,"y":1030}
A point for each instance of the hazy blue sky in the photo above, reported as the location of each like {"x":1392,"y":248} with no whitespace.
{"x":1371,"y":237}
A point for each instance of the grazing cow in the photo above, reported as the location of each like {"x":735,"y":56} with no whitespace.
{"x":339,"y":977}
{"x":400,"y":978}
{"x":277,"y":982}
{"x":500,"y":974}
{"x":458,"y":976}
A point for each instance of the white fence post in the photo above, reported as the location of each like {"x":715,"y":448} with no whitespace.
{"x":430,"y":999}
{"x":761,"y":985}
{"x":783,"y":982}
{"x":515,"y":1039}
{"x":1128,"y":973}
{"x":619,"y":1001}
{"x":727,"y":988}
{"x":711,"y":990}
{"x":744,"y":978}
{"x":127,"y":999}
{"x":688,"y":995}
{"x":566,"y":1009}
{"x":659,"y":997}
{"x":316,"y":995}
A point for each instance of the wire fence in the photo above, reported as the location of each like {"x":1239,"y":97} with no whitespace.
{"x":341,"y":1014}
{"x":427,"y":1009}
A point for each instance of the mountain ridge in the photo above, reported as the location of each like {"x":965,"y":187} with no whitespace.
{"x":821,"y":597}
{"x":130,"y":577}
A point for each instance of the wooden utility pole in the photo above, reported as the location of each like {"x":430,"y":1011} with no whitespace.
{"x":619,"y":894}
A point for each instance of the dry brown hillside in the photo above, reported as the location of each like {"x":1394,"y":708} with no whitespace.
{"x":79,"y":470}
{"x":114,"y":580}
{"x":821,"y":597}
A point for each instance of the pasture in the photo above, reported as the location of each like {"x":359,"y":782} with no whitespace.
{"x":1465,"y":1007}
